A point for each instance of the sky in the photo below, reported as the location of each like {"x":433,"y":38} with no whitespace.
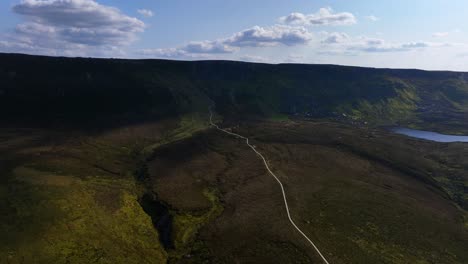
{"x":424,"y":34}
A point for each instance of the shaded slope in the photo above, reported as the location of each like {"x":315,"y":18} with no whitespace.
{"x":68,"y":89}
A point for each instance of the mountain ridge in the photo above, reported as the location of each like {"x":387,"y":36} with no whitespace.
{"x":57,"y":88}
{"x":240,"y":61}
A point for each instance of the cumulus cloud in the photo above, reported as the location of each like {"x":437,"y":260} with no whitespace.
{"x":165,"y":53}
{"x":208,"y":47}
{"x":194,"y":49}
{"x":335,"y":37}
{"x":292,"y":33}
{"x":270,"y":36}
{"x":67,"y":25}
{"x":145,"y":12}
{"x":252,"y":37}
{"x":14,"y":46}
{"x":324,"y":17}
{"x":77,"y":14}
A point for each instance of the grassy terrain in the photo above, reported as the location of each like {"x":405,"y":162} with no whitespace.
{"x":376,"y":198}
{"x":113,"y":161}
{"x":64,"y":220}
{"x":74,"y":199}
{"x":361,"y":194}
{"x":364,"y":196}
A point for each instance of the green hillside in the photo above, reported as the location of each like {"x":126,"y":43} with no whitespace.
{"x":115,"y":161}
{"x":67,"y":89}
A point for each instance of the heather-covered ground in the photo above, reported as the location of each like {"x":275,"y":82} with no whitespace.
{"x":178,"y":191}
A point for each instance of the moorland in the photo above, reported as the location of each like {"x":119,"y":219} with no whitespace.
{"x":115,"y":161}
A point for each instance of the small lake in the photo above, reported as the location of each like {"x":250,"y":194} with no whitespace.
{"x":429,"y":135}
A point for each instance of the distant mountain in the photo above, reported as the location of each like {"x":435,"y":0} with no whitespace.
{"x":71,"y":89}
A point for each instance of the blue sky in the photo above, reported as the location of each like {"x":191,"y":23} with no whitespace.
{"x":426,"y":34}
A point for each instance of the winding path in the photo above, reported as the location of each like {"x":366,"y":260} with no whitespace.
{"x":276,"y":178}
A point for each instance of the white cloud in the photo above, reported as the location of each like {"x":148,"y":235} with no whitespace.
{"x":208,"y":47}
{"x":165,"y":53}
{"x":379,"y":45}
{"x":324,"y":17}
{"x":174,"y":53}
{"x":194,"y":49}
{"x":323,"y":43}
{"x":270,"y":36}
{"x":374,"y":45}
{"x":145,"y":12}
{"x":38,"y":47}
{"x":252,"y":37}
{"x":440,"y":34}
{"x":340,"y":43}
{"x":63,"y":27}
{"x":372,"y":18}
{"x":335,"y":37}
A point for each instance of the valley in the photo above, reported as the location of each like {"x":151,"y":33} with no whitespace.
{"x":122,"y":164}
{"x":359,"y":194}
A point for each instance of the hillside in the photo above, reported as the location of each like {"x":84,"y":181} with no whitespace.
{"x":69,"y":89}
{"x":115,"y":161}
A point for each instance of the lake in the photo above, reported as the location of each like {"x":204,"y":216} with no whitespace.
{"x":428,"y":135}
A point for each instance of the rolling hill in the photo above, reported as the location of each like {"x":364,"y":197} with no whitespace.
{"x":114,"y":161}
